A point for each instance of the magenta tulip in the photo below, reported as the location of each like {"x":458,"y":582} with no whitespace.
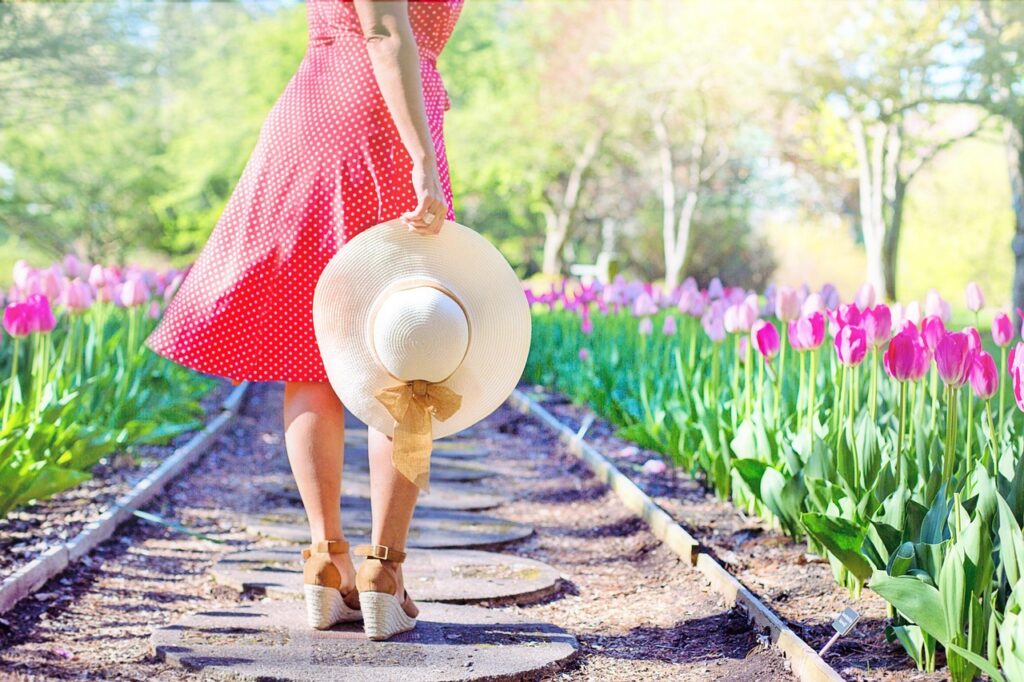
{"x":933,"y":331}
{"x":973,"y":338}
{"x":984,"y":376}
{"x":903,"y":357}
{"x":953,"y":358}
{"x":975,"y":299}
{"x":807,"y":333}
{"x":1002,"y":330}
{"x":851,"y":345}
{"x":766,"y":338}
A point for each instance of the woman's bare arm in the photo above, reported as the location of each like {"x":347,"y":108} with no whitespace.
{"x":396,"y":66}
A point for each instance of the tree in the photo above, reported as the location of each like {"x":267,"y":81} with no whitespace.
{"x":995,"y":81}
{"x":883,"y":73}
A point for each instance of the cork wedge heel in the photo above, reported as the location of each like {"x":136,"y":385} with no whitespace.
{"x":384,"y":614}
{"x":325,"y":604}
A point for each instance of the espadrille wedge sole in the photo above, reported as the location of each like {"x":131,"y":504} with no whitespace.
{"x":384,"y":614}
{"x":325,"y":604}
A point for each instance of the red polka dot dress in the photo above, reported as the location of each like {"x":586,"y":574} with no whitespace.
{"x":328,"y":164}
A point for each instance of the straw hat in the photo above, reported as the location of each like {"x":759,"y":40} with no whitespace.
{"x":421,"y":335}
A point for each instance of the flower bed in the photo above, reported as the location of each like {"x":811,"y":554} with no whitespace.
{"x":80,"y":386}
{"x":849,"y":446}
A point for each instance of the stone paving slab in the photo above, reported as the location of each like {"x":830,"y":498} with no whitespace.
{"x":357,"y":459}
{"x":449,"y":575}
{"x":271,"y":641}
{"x":356,"y":484}
{"x":431,"y":528}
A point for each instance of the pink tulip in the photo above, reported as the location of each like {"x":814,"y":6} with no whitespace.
{"x":973,"y":339}
{"x":787,"y":304}
{"x":877,"y":323}
{"x":975,"y":299}
{"x":584,"y":354}
{"x":807,"y":333}
{"x":644,"y":305}
{"x":586,"y":324}
{"x":741,"y":349}
{"x":902,"y":357}
{"x":713,"y":321}
{"x":812,"y":304}
{"x":715,"y":289}
{"x":933,"y":331}
{"x":953,"y":359}
{"x":154,"y":309}
{"x":645,"y":327}
{"x":984,"y":376}
{"x":668,"y":328}
{"x":740,"y":317}
{"x":851,"y":345}
{"x":77,"y":296}
{"x":865,"y":297}
{"x":22,"y":273}
{"x":765,"y":338}
{"x":934,"y":304}
{"x":1002,"y":330}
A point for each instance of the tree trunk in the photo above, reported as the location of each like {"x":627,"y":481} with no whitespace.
{"x":561,"y":210}
{"x":891,"y":244}
{"x":870,"y":164}
{"x":676,"y":230}
{"x":1015,"y":154}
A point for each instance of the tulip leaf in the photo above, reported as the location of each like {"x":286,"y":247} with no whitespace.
{"x":844,"y":540}
{"x":920,"y":602}
{"x":1011,"y":543}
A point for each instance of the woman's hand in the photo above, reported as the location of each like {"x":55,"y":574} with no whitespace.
{"x":431,"y":209}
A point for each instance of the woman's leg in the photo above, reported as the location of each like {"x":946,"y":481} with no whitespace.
{"x":392,"y":500}
{"x":314,"y":422}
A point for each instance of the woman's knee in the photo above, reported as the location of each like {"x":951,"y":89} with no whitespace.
{"x":312,"y":395}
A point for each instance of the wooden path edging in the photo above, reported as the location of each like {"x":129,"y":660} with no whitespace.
{"x":806,"y":664}
{"x":52,"y":561}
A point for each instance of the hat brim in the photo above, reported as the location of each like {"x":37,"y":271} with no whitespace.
{"x":459,"y":259}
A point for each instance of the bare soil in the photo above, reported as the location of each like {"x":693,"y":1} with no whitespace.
{"x":797,"y":586}
{"x":637,"y":610}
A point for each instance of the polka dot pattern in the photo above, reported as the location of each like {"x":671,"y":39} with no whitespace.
{"x":328,"y":164}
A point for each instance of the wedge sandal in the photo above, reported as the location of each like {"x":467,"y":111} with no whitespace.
{"x":325,"y":604}
{"x":384,"y":614}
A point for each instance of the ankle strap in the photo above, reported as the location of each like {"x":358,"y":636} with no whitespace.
{"x":380,"y":552}
{"x":326,"y":547}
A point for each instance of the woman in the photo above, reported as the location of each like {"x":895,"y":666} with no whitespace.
{"x":354,"y":140}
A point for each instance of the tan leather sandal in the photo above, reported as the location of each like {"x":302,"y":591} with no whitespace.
{"x":384,"y":614}
{"x":325,"y":603}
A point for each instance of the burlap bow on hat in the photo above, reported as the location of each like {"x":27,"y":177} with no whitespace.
{"x":412,"y":404}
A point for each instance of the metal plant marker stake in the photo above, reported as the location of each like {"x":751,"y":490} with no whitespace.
{"x":842,"y":625}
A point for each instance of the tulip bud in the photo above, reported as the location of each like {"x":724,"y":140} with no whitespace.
{"x":1002,"y":330}
{"x":984,"y":376}
{"x":851,"y":345}
{"x":975,"y":299}
{"x":766,"y":338}
{"x":953,"y":358}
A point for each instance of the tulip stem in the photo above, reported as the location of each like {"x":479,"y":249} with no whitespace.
{"x":812,"y":378}
{"x":951,"y":430}
{"x":800,"y":392}
{"x":840,"y":405}
{"x":9,"y":399}
{"x":993,"y":452}
{"x":748,"y":375}
{"x":970,"y":430}
{"x":874,"y":383}
{"x":1004,"y":372}
{"x":899,"y":436}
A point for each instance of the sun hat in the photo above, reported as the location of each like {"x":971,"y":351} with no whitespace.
{"x":414,"y":328}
